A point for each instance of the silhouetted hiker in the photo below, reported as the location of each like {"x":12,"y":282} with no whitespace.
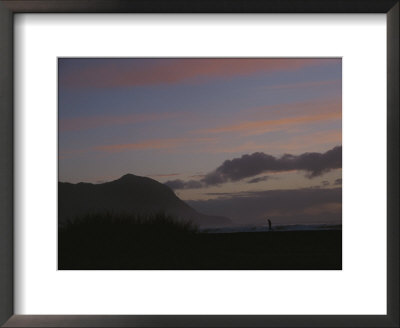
{"x":269,"y":225}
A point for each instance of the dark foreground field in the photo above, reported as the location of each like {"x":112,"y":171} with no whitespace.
{"x":162,"y":245}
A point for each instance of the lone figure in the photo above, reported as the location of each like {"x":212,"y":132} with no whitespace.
{"x":269,"y":225}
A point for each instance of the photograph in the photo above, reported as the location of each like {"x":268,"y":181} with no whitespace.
{"x":199,"y":163}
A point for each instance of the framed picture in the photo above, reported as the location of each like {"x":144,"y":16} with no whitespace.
{"x":188,"y":169}
{"x":186,"y":207}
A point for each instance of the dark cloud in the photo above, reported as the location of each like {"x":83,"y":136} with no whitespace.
{"x":338,"y":182}
{"x":247,"y":166}
{"x":197,"y":176}
{"x":306,"y":205}
{"x":226,"y":194}
{"x":314,"y":164}
{"x":256,"y":180}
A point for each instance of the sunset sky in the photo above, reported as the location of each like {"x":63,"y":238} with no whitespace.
{"x":225,"y":134}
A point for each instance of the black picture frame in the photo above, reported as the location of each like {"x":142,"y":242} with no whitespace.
{"x":10,"y":7}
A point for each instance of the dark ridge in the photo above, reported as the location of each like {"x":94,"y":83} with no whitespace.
{"x":131,"y":195}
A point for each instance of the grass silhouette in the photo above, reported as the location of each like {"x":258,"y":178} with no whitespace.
{"x":117,"y":241}
{"x":161,"y":242}
{"x":108,"y":222}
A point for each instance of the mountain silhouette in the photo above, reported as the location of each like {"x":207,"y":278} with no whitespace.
{"x":129,"y":194}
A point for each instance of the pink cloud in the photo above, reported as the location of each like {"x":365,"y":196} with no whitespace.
{"x":317,"y":141}
{"x":260,"y":127}
{"x":299,"y":108}
{"x":91,"y":122}
{"x":171,"y":71}
{"x":71,"y":153}
{"x":304,"y":84}
{"x":153,"y":144}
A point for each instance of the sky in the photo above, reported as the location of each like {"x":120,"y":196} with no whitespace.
{"x":241,"y":137}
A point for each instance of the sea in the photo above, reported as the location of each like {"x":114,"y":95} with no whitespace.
{"x":265,"y":228}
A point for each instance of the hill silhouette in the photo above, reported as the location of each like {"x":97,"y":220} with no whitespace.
{"x":131,"y":195}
